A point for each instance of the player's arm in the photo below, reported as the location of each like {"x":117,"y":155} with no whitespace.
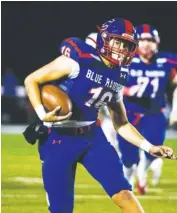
{"x":59,"y":68}
{"x":129,"y":132}
{"x":131,"y":91}
{"x":173,"y":114}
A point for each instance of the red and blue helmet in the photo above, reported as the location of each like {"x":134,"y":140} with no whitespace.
{"x":147,"y":32}
{"x":120,"y":29}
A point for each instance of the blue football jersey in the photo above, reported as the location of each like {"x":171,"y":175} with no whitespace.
{"x":94,"y":84}
{"x":151,"y":80}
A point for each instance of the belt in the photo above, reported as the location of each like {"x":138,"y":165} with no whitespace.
{"x":68,"y":124}
{"x":77,"y":131}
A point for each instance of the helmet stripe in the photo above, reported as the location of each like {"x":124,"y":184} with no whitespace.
{"x":146,"y":28}
{"x":128,"y":27}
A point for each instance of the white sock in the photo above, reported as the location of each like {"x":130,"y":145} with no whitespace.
{"x":130,"y":173}
{"x":142,"y":169}
{"x":156,"y":168}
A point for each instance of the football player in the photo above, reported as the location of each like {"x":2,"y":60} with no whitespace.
{"x":92,"y":78}
{"x":110,"y":133}
{"x":144,"y":99}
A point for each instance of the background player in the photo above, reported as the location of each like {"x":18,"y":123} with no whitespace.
{"x":92,"y":78}
{"x":144,"y":98}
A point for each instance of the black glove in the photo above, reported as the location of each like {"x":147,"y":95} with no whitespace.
{"x":35,"y":131}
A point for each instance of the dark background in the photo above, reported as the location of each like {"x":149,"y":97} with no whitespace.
{"x":32,"y":31}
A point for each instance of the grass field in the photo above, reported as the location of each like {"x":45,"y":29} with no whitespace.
{"x":22,"y":189}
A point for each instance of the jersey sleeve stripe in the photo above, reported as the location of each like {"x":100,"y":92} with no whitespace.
{"x":78,"y":50}
{"x":171,"y":61}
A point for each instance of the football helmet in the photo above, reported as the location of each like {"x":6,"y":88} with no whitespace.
{"x":149,"y":40}
{"x":146,"y":31}
{"x":116,"y":41}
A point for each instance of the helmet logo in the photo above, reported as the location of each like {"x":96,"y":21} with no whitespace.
{"x":106,"y":25}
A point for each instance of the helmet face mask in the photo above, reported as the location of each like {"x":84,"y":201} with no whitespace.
{"x":119,"y":51}
{"x":116,"y":44}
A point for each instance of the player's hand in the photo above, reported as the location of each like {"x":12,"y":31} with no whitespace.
{"x":173,"y":117}
{"x":163,"y":152}
{"x":131,"y":91}
{"x":52,"y":116}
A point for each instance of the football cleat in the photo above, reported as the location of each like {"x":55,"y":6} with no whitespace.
{"x":141,"y":190}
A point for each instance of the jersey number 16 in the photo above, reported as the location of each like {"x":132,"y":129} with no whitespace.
{"x":99,"y":97}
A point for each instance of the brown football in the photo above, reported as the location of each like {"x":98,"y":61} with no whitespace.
{"x":53,"y":96}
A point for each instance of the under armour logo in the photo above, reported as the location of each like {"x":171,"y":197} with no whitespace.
{"x":122,"y":75}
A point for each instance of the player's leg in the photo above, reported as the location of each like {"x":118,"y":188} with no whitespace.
{"x":129,"y":152}
{"x":154,"y":131}
{"x":130,"y":159}
{"x":156,"y":168}
{"x":142,"y":173}
{"x":58,"y":171}
{"x":103,"y":163}
{"x":127,"y":201}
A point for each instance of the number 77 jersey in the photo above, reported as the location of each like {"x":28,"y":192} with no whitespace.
{"x":91,"y":84}
{"x":146,"y":87}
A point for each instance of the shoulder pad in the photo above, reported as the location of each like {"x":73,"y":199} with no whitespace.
{"x":75,"y":48}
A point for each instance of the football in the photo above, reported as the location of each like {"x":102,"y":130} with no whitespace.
{"x":52,"y":96}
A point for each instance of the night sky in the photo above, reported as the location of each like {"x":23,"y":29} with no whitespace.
{"x":32,"y":31}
